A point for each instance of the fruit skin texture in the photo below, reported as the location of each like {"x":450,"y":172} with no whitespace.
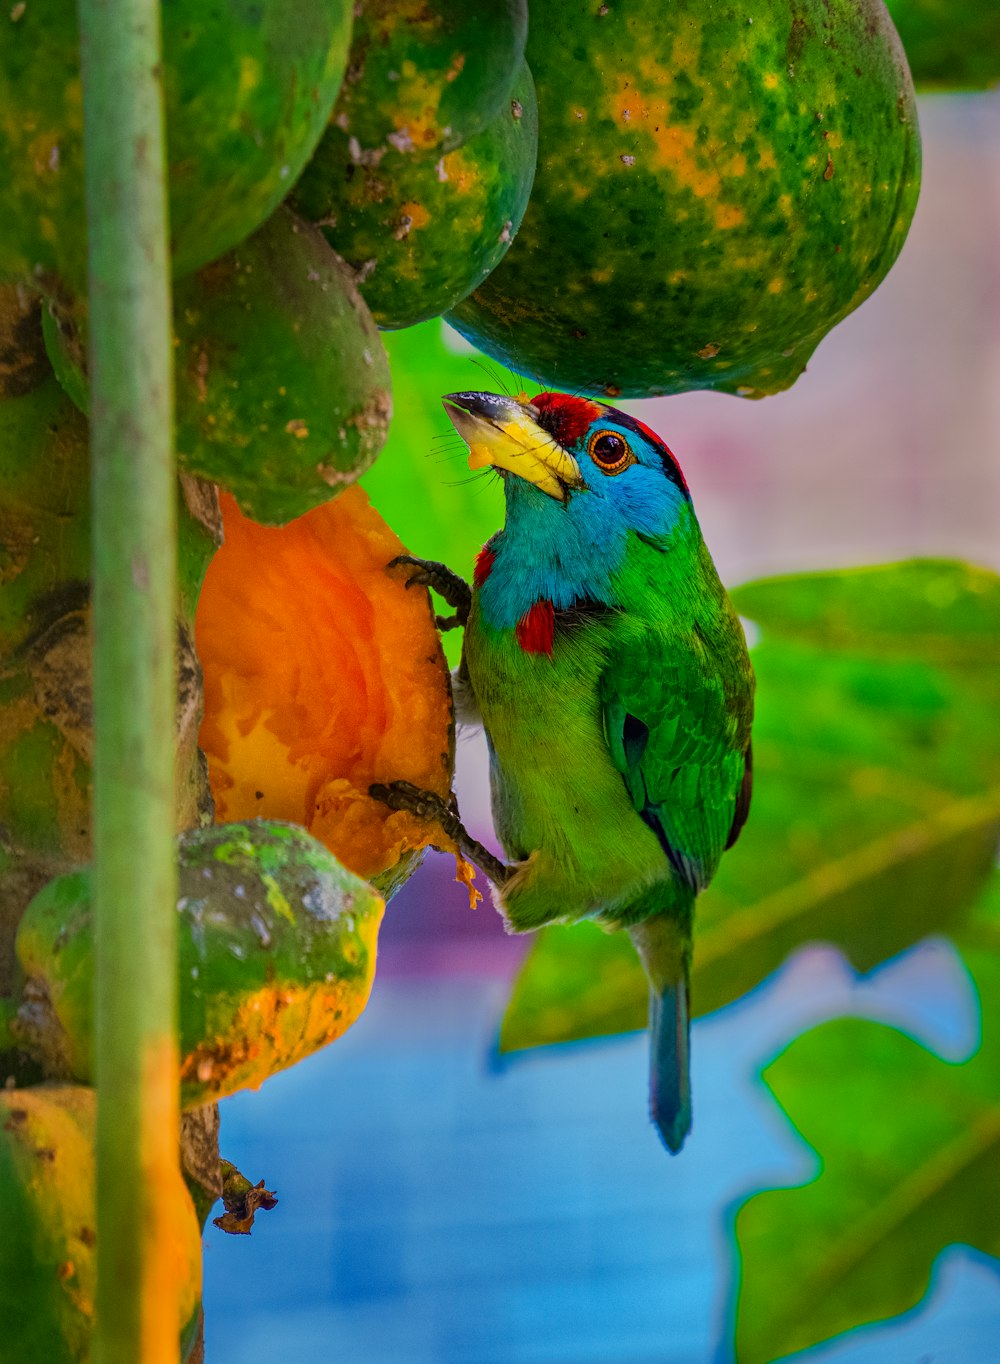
{"x":282,"y":381}
{"x":731,"y":190}
{"x":322,"y":675}
{"x":46,"y":741}
{"x":248,"y":90}
{"x":277,"y":949}
{"x":421,"y":231}
{"x":47,"y":1251}
{"x":427,"y":74}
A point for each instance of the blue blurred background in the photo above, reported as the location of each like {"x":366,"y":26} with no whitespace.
{"x":440,"y":1203}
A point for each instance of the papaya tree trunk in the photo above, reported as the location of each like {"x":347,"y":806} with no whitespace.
{"x":134,"y":575}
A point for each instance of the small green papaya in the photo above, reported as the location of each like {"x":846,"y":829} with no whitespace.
{"x":276,"y":958}
{"x":282,"y":382}
{"x":248,"y":90}
{"x":715,"y":190}
{"x":427,"y":74}
{"x":47,"y":1250}
{"x":421,"y":231}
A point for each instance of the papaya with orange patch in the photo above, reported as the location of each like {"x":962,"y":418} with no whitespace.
{"x":276,"y":957}
{"x":715,"y":190}
{"x":324,"y":674}
{"x":48,"y":1258}
{"x":426,"y":74}
{"x":422,"y":230}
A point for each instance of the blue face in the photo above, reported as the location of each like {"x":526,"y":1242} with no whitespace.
{"x":571,"y":550}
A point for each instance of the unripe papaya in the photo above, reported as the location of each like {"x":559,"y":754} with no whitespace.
{"x":715,"y":190}
{"x":282,"y":381}
{"x":276,"y":956}
{"x":248,"y":90}
{"x":421,"y":231}
{"x":427,"y":74}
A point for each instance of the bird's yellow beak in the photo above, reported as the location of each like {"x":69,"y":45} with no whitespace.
{"x":503,"y":432}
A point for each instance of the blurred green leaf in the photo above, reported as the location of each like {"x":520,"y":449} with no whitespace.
{"x":876,"y":808}
{"x":908,"y":1151}
{"x":421,"y":482}
{"x":950,"y":46}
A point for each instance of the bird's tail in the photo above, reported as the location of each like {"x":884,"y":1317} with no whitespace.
{"x":664,"y":947}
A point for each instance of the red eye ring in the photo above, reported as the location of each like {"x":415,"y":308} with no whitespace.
{"x":610,"y":451}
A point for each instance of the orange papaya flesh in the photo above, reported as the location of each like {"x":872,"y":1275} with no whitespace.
{"x":731,"y":187}
{"x":248,"y":90}
{"x":323,"y":674}
{"x":421,"y":230}
{"x":276,"y":957}
{"x":48,"y":1247}
{"x":428,"y":74}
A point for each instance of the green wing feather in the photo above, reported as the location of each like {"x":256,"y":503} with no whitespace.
{"x":676,"y":708}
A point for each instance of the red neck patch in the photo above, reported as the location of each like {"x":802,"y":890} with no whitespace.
{"x":484,"y":564}
{"x":536,"y":629}
{"x":564,"y":417}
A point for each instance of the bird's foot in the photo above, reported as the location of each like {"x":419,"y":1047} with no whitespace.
{"x":444,"y":582}
{"x":403,"y":795}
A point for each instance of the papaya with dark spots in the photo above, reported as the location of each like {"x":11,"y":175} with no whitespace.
{"x":248,"y":90}
{"x":282,"y":382}
{"x":421,"y":231}
{"x":276,"y":956}
{"x":23,"y":362}
{"x":46,"y":740}
{"x":48,"y":1267}
{"x":715,"y":190}
{"x":427,"y":74}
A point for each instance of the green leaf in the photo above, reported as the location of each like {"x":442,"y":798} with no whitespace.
{"x":908,"y":1153}
{"x":876,"y":807}
{"x":420,"y":481}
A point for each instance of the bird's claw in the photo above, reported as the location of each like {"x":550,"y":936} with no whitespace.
{"x":428,"y":805}
{"x":443,"y":581}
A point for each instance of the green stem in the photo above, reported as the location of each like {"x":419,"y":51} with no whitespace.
{"x":134,"y":553}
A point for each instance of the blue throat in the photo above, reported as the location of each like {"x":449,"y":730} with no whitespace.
{"x":545,"y":553}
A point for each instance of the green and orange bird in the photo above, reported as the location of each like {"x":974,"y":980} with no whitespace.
{"x":610,"y":672}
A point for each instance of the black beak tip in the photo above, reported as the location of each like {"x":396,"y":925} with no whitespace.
{"x":488,"y":406}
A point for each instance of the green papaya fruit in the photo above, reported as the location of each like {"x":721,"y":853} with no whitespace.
{"x":421,"y":231}
{"x":282,"y":381}
{"x":716,"y":189}
{"x":276,"y":958}
{"x":427,"y":74}
{"x":248,"y":90}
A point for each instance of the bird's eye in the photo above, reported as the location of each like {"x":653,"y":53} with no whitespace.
{"x":610,"y":451}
